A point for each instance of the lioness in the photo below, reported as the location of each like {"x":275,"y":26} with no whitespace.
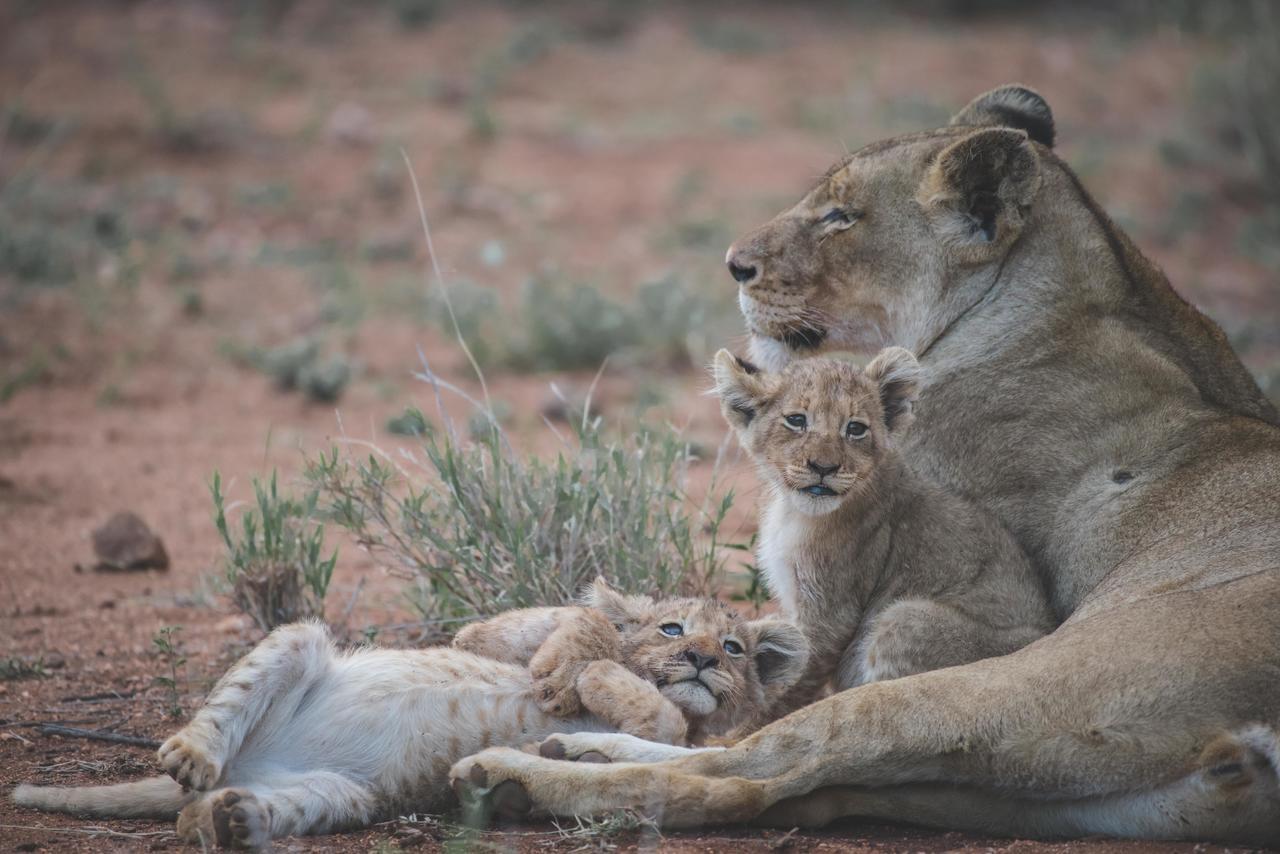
{"x":886,"y":573}
{"x":299,"y":738}
{"x":1109,"y":426}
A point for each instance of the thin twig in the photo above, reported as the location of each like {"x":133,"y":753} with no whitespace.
{"x":91,"y":830}
{"x":114,"y":738}
{"x":105,"y":695}
{"x":444,"y":291}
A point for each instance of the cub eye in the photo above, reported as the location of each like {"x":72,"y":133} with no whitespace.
{"x":796,"y":421}
{"x":855,"y":430}
{"x":671,"y":630}
{"x":840,"y":218}
{"x":733,"y":647}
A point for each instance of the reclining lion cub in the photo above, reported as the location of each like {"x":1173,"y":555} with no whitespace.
{"x":885,"y":572}
{"x":299,"y":738}
{"x":1107,"y":423}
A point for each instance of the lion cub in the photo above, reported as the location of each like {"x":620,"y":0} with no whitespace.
{"x":887,"y":573}
{"x":301,"y":738}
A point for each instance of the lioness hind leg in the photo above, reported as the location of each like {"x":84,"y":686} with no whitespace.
{"x":290,"y":657}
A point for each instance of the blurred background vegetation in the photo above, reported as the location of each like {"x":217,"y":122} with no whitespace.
{"x":209,"y":239}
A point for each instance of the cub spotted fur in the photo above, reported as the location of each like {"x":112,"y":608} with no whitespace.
{"x":301,"y":738}
{"x":887,"y":573}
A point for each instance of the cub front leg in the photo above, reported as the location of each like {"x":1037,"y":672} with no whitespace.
{"x":625,"y":701}
{"x":580,"y":640}
{"x":290,"y":658}
{"x":920,"y":635}
{"x":513,"y":636}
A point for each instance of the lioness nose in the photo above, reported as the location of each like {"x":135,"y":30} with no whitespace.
{"x":743,"y":270}
{"x":822,"y":471}
{"x":700,"y":660}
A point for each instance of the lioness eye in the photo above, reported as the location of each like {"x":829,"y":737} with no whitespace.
{"x":671,"y":630}
{"x":855,"y":430}
{"x":839,"y":217}
{"x":733,"y":647}
{"x":796,"y":421}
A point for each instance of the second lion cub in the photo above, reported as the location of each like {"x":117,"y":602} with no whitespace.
{"x":886,"y":573}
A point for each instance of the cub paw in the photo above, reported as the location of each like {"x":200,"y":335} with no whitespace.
{"x":556,"y":747}
{"x":556,"y":693}
{"x":482,"y":804}
{"x":239,"y":820}
{"x":183,"y":759}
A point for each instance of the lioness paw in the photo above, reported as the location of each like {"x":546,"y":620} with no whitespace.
{"x":183,"y":759}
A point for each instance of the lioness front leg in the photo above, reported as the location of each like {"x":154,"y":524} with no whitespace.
{"x":289,"y":658}
{"x":1053,"y":720}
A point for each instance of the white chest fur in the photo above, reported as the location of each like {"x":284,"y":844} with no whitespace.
{"x":781,"y":533}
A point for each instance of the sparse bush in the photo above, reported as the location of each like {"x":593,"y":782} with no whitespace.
{"x":169,"y":649}
{"x":570,"y":326}
{"x":14,"y":668}
{"x":411,"y":422}
{"x":276,"y":567}
{"x":477,"y":528}
{"x":299,"y":365}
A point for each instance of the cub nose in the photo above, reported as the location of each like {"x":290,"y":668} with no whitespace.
{"x":743,"y":269}
{"x":822,"y":471}
{"x":699,"y":660}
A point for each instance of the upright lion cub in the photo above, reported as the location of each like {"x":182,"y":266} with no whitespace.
{"x":886,"y":573}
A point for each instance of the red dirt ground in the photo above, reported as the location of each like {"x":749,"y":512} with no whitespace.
{"x":613,"y":127}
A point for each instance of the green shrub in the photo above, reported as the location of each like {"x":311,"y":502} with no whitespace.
{"x":275,"y":567}
{"x":478,"y":529}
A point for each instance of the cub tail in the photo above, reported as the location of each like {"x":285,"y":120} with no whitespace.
{"x":155,"y":797}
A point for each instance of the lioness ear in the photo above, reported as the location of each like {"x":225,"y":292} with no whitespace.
{"x":781,"y":652}
{"x":1011,"y":106}
{"x":741,"y":386}
{"x":897,"y":373}
{"x":978,"y":191}
{"x":618,"y":608}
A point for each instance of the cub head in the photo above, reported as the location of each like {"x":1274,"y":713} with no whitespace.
{"x":818,"y":429}
{"x":897,"y":239}
{"x":702,"y":655}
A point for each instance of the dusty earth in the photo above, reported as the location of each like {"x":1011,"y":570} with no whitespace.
{"x":251,"y":160}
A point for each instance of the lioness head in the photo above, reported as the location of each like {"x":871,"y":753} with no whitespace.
{"x":897,"y":239}
{"x":703,"y":656}
{"x":819,"y":428}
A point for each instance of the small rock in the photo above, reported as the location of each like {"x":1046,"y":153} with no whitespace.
{"x":125,"y":543}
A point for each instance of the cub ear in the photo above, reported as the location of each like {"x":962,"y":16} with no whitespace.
{"x":741,"y":386}
{"x":897,"y":373}
{"x":618,"y":608}
{"x":1011,"y":106}
{"x":781,"y":652}
{"x":978,"y":191}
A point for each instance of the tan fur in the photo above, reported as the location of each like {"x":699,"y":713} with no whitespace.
{"x":1108,"y":425}
{"x":890,"y":575}
{"x":300,"y":738}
